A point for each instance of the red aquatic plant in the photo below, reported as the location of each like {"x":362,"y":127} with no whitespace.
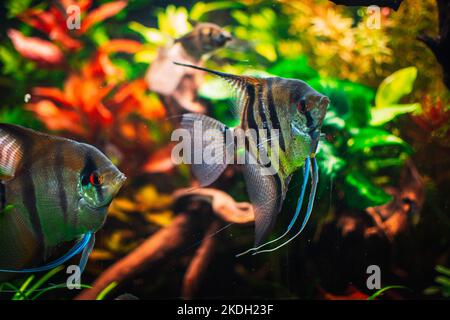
{"x":433,"y":116}
{"x":95,"y":106}
{"x":53,"y":22}
{"x":43,"y":52}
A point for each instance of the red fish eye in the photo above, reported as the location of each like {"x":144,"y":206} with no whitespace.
{"x":95,"y":179}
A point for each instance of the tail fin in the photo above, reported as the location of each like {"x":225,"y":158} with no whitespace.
{"x":210,"y":153}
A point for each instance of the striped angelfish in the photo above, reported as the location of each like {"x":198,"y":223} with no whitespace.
{"x":52,"y":190}
{"x":285,"y":118}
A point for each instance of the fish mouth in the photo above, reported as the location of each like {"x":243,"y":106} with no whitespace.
{"x":119,"y":181}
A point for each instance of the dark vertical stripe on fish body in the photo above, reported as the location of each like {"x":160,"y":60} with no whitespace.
{"x":2,"y":196}
{"x":279,"y":191}
{"x":251,"y":111}
{"x":273,"y":115}
{"x":27,"y":187}
{"x":28,"y":191}
{"x":265,"y":125}
{"x":59,"y":167}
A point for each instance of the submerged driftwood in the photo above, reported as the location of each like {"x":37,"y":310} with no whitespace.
{"x":199,"y":209}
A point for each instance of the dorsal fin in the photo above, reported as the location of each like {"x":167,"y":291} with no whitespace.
{"x":238,"y":83}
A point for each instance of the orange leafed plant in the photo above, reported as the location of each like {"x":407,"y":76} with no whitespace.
{"x":53,"y":22}
{"x":104,"y":112}
{"x":433,"y":115}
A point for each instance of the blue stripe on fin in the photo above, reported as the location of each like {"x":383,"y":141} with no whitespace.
{"x":312,"y":195}
{"x":76,"y":249}
{"x":86,"y":253}
{"x":297,"y":210}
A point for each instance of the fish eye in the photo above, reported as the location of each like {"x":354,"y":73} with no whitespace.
{"x":95,"y":178}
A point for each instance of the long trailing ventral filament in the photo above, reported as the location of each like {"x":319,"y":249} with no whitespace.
{"x":312,"y":195}
{"x":314,"y":177}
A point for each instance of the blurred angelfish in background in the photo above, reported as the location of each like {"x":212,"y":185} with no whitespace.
{"x":293,"y":110}
{"x":178,"y":86}
{"x":53,"y":190}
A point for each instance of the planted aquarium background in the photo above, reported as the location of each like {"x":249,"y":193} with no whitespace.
{"x":101,"y":72}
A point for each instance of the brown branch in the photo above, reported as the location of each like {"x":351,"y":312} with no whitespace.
{"x":440,"y":46}
{"x":394,"y":218}
{"x":196,"y":206}
{"x":222,"y":204}
{"x":393,"y":4}
{"x":154,"y":250}
{"x":199,"y":264}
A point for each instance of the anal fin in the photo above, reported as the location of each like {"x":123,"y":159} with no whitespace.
{"x":266,"y":193}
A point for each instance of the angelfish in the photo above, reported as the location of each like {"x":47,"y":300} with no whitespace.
{"x":289,"y":107}
{"x":52,"y":191}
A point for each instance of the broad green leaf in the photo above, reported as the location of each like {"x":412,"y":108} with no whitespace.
{"x":99,"y":35}
{"x":332,"y":120}
{"x":394,"y":87}
{"x":16,"y":7}
{"x":10,"y":60}
{"x":349,"y":100}
{"x":240,"y":17}
{"x":151,"y":35}
{"x":382,"y":115}
{"x":297,"y":68}
{"x":330,"y":164}
{"x":146,"y":56}
{"x":267,"y":50}
{"x":361,"y":193}
{"x":376,"y":164}
{"x":201,"y":8}
{"x":365,"y":139}
{"x":174,"y":21}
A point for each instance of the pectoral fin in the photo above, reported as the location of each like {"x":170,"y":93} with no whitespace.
{"x":266,"y":193}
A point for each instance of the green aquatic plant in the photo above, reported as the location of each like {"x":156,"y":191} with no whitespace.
{"x":108,"y":289}
{"x":389,"y":93}
{"x":360,"y":155}
{"x":442,"y":282}
{"x":382,"y":291}
{"x":29,"y":290}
